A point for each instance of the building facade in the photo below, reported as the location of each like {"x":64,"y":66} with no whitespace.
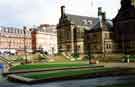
{"x":70,"y":32}
{"x":124,"y":27}
{"x":14,"y":40}
{"x":87,"y":35}
{"x":113,"y":40}
{"x":44,"y":37}
{"x":99,"y":40}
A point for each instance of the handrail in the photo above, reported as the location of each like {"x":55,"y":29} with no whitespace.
{"x":5,"y":60}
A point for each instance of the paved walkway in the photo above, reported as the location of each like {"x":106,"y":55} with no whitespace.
{"x":121,"y":65}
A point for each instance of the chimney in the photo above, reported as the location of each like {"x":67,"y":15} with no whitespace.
{"x":99,"y":11}
{"x":103,"y":16}
{"x":62,"y":10}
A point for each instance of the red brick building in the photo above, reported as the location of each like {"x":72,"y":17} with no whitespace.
{"x":12,"y":40}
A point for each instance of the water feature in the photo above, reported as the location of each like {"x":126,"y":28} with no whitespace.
{"x":74,"y":83}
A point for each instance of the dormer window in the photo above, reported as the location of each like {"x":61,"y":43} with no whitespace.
{"x":87,"y":22}
{"x":90,"y":22}
{"x":84,"y":21}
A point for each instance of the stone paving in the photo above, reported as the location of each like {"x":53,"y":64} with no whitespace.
{"x":121,"y":65}
{"x":75,"y":83}
{"x":80,"y":83}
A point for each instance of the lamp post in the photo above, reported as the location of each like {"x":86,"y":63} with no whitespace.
{"x":9,"y":48}
{"x":104,"y":52}
{"x":88,"y":43}
{"x":89,"y":53}
{"x":25,"y":53}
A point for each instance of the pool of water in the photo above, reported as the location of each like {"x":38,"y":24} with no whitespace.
{"x":74,"y":83}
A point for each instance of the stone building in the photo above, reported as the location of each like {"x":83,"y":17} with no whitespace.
{"x":99,"y":41}
{"x":113,"y":40}
{"x":124,"y":27}
{"x":70,"y":32}
{"x":12,"y":40}
{"x":44,"y":37}
{"x":100,"y":37}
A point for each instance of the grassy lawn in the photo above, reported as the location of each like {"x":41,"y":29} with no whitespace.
{"x":47,"y":65}
{"x":129,"y":84}
{"x":65,"y":73}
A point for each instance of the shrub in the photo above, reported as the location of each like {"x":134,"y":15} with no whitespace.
{"x":86,"y":57}
{"x":132,"y":57}
{"x":19,"y":59}
{"x":76,"y":55}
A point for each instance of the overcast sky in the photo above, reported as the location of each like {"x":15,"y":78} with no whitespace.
{"x":18,"y":13}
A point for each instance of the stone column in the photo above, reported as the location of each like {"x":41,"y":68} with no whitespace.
{"x":103,"y":44}
{"x":72,"y":39}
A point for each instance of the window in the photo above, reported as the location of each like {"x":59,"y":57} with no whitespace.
{"x":94,"y":35}
{"x":111,"y":35}
{"x":6,"y":30}
{"x":108,"y":46}
{"x":84,"y":21}
{"x":18,"y":32}
{"x":68,"y":35}
{"x":106,"y":35}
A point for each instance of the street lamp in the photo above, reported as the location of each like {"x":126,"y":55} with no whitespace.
{"x":9,"y":48}
{"x":25,"y":53}
{"x":104,"y":47}
{"x":88,"y":47}
{"x":88,"y":43}
{"x":89,"y":53}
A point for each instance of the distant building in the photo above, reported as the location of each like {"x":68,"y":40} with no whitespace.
{"x":12,"y":40}
{"x":70,"y":32}
{"x":113,"y":40}
{"x":44,"y":38}
{"x":18,"y":41}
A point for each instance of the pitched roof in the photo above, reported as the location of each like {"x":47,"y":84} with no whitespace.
{"x":82,"y":20}
{"x":92,"y":23}
{"x":108,"y":24}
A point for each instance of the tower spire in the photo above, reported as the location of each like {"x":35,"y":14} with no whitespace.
{"x":62,"y":10}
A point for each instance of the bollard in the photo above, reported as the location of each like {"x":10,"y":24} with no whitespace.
{"x":128,"y":61}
